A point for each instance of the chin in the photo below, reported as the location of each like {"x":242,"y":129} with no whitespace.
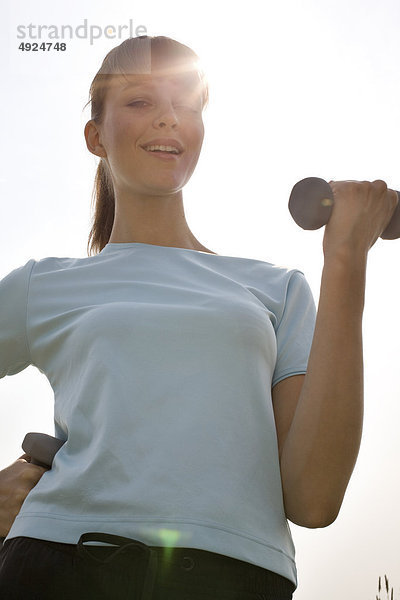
{"x":166,"y":187}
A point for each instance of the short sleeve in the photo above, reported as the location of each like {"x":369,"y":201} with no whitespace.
{"x":295,"y":330}
{"x":14,"y":351}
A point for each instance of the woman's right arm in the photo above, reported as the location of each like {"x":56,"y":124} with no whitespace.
{"x":16,"y":481}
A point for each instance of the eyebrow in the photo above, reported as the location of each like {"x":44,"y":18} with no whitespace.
{"x":132,"y":84}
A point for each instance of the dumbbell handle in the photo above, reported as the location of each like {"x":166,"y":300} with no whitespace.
{"x":311,"y":201}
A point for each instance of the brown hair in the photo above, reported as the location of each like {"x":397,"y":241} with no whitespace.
{"x":140,"y":55}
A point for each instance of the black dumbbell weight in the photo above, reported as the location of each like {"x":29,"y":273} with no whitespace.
{"x":41,"y":448}
{"x":311,"y":201}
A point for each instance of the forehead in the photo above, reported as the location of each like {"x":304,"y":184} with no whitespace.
{"x":188,"y":82}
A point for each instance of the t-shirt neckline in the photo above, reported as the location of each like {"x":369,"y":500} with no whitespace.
{"x":127,"y":245}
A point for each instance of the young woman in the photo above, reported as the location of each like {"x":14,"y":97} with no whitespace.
{"x":202,"y":400}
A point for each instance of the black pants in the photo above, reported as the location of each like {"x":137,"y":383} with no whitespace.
{"x":32,"y":569}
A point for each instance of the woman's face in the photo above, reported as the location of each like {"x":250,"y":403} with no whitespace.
{"x":148,"y":108}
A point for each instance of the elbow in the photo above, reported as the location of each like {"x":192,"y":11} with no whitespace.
{"x":315,"y":523}
{"x":313,"y":507}
{"x":313,"y":519}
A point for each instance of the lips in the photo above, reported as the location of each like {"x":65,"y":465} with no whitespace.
{"x":162,"y":155}
{"x":164,"y":142}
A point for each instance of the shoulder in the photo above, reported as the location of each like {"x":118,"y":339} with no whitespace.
{"x":17,"y":278}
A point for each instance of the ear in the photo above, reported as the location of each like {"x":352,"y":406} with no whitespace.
{"x":92,"y":137}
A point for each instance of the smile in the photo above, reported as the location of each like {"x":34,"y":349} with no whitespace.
{"x":162,"y":148}
{"x":163,"y":154}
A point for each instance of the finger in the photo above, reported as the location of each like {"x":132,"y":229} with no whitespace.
{"x":25,"y":457}
{"x":36,"y":469}
{"x":381,"y":186}
{"x":31,"y":474}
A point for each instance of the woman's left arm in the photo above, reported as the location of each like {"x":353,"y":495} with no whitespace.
{"x":321,"y":445}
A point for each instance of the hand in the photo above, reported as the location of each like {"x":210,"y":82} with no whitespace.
{"x":361,"y":212}
{"x":16,"y":481}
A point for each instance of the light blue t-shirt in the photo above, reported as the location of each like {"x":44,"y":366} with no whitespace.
{"x":162,"y":361}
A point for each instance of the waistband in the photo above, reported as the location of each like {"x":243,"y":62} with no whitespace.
{"x":123,"y":544}
{"x":219,"y":565}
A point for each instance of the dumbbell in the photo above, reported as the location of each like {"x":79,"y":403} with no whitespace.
{"x":311,"y":202}
{"x":41,"y":448}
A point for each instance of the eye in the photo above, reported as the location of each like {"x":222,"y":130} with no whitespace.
{"x":188,"y":107}
{"x":138,"y":103}
{"x":189,"y":102}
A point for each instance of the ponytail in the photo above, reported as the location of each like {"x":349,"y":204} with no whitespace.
{"x":103,"y":202}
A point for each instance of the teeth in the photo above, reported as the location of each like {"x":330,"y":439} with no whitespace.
{"x":162,"y":148}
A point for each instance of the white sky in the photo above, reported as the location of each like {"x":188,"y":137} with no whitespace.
{"x":297,"y":89}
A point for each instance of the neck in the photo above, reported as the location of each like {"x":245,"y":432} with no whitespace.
{"x":158,"y":220}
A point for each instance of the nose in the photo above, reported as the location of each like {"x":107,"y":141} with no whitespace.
{"x":166,"y":117}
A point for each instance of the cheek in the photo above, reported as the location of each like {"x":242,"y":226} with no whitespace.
{"x":123,"y":135}
{"x":200,"y":139}
{"x":119,"y":133}
{"x":200,"y":129}
{"x":197,"y":136}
